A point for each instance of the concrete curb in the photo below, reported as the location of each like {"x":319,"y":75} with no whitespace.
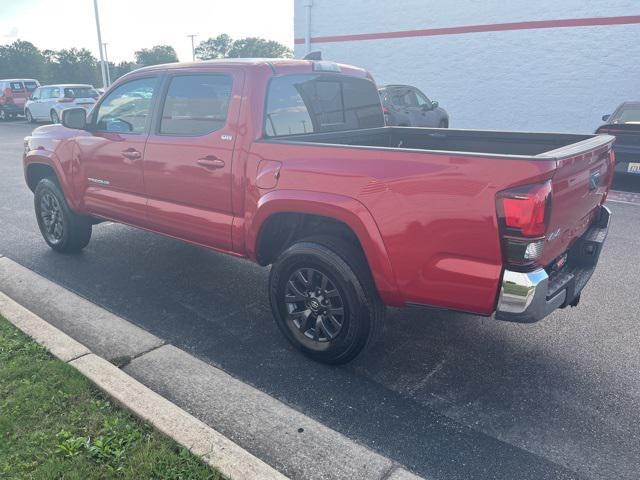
{"x":265,"y":428}
{"x":214,"y":448}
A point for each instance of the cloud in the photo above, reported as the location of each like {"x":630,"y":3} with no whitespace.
{"x":11,"y":33}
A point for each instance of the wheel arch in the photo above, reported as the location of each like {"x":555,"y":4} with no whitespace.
{"x":43,"y":165}
{"x":344,"y":215}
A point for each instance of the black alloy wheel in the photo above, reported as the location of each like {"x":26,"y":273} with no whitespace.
{"x":315,"y":307}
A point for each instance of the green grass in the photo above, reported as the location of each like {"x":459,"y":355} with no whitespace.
{"x":55,"y":425}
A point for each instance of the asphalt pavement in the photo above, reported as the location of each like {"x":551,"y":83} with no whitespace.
{"x":449,"y":395}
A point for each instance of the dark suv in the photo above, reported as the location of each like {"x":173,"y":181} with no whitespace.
{"x":407,"y":106}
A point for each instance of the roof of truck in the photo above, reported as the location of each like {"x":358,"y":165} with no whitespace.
{"x":273,"y":63}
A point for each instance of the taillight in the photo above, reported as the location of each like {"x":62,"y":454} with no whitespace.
{"x":7,"y":96}
{"x":524,"y":213}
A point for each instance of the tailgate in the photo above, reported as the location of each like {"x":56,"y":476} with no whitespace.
{"x":580,"y":184}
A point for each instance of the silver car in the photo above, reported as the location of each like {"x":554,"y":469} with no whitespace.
{"x":407,"y":106}
{"x":48,"y":102}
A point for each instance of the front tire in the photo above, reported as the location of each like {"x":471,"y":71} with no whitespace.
{"x":64,"y":230}
{"x":324,"y":300}
{"x":30,"y":118}
{"x":55,"y":118}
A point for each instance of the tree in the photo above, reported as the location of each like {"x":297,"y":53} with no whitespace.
{"x":156,"y":55}
{"x":253,"y":47}
{"x":71,"y":66}
{"x":21,"y":59}
{"x":120,"y":69}
{"x":217,"y":47}
{"x":223,"y":46}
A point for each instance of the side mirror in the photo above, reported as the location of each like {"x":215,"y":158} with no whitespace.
{"x":75,"y":118}
{"x":434,"y":104}
{"x":606,"y":117}
{"x":33,"y":98}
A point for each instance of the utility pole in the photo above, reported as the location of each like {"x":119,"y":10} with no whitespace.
{"x":106,"y":59}
{"x":104,"y":72}
{"x":193,"y":47}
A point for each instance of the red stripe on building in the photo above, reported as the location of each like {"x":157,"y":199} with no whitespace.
{"x":495,"y":27}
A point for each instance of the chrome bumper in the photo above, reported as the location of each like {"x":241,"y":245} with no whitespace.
{"x":530,"y":296}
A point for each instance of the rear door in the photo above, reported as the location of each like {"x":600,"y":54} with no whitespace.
{"x":19,"y":93}
{"x":110,"y":159}
{"x":187,"y":163}
{"x":47,"y":103}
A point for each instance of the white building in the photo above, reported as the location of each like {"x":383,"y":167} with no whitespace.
{"x":546,"y":65}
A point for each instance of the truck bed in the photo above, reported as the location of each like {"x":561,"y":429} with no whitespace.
{"x":469,"y":142}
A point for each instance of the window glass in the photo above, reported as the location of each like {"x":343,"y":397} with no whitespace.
{"x":629,"y":114}
{"x":422,"y":99}
{"x":321,"y":103}
{"x":196,"y":104}
{"x":54,"y":92}
{"x":80,"y":92}
{"x":30,"y":86}
{"x":17,"y":87}
{"x":45,"y":93}
{"x":36,"y":93}
{"x":126,"y":109}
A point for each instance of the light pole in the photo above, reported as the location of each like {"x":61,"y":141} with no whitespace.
{"x":103,"y":70}
{"x":106,"y":59}
{"x":193,"y":47}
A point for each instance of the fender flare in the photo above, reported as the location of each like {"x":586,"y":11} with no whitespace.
{"x":45,"y":157}
{"x":338,"y":207}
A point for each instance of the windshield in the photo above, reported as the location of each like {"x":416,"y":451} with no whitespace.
{"x":298,"y":104}
{"x":628,"y":114}
{"x":80,"y":92}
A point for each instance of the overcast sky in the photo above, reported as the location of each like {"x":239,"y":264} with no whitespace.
{"x":128,"y":25}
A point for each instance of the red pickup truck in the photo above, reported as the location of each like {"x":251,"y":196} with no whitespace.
{"x":289,"y":163}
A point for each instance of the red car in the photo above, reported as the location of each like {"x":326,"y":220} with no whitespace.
{"x":288,"y":163}
{"x":14,"y":93}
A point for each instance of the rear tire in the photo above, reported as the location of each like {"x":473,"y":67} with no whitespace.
{"x":443,"y":124}
{"x":29,"y":117}
{"x":3,"y":116}
{"x":324,"y":300}
{"x":64,"y":230}
{"x":55,"y":118}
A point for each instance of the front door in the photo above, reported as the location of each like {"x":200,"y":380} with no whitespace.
{"x":38,"y":106}
{"x":188,"y":157}
{"x":110,"y":159}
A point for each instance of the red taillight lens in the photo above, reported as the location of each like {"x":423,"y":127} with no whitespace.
{"x":525,"y":210}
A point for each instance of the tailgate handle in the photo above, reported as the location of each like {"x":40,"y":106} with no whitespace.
{"x":594,"y":180}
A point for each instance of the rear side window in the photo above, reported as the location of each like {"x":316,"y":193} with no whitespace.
{"x":80,"y":92}
{"x":299,"y":104}
{"x":30,"y":86}
{"x":16,"y":87}
{"x":196,"y":104}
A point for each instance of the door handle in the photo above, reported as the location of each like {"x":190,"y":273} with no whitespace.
{"x":131,"y":154}
{"x":211,"y":162}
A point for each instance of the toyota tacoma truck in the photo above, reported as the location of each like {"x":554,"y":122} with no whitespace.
{"x":288,"y":163}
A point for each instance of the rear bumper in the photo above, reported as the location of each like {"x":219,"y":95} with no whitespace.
{"x":527,"y":297}
{"x":12,"y":109}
